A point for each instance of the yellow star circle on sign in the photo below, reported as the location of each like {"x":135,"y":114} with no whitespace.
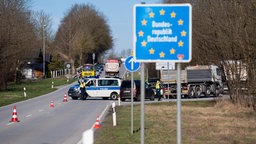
{"x":173,"y":15}
{"x":183,"y":33}
{"x":162,"y":12}
{"x":144,"y":43}
{"x":180,"y":43}
{"x":172,"y":51}
{"x":180,"y":22}
{"x":141,"y":33}
{"x":143,"y":22}
{"x":151,"y":15}
{"x":151,"y":51}
{"x":162,"y":54}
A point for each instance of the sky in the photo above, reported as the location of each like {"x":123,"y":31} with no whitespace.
{"x":118,"y":13}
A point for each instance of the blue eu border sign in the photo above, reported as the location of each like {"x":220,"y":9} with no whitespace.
{"x":163,"y":32}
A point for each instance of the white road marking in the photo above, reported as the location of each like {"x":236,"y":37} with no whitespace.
{"x":10,"y":123}
{"x":29,"y":115}
{"x":41,"y":110}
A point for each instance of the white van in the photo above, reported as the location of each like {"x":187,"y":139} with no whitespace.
{"x":103,"y":87}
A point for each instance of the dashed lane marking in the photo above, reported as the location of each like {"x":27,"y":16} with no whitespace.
{"x":41,"y":110}
{"x":10,"y":123}
{"x":28,"y":115}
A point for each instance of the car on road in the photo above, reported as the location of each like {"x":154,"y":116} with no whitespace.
{"x":97,"y":87}
{"x":103,"y":87}
{"x":74,"y":91}
{"x":125,"y":90}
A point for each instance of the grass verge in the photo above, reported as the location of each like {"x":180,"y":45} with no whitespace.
{"x":202,"y":123}
{"x":15,"y":92}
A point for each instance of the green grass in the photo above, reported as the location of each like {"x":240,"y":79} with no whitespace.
{"x":202,"y":123}
{"x":15,"y":92}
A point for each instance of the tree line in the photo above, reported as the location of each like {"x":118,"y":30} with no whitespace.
{"x":82,"y":32}
{"x":223,"y":33}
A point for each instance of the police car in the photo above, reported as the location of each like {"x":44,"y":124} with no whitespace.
{"x":98,"y":87}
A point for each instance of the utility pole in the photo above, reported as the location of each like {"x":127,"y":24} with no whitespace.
{"x":44,"y":51}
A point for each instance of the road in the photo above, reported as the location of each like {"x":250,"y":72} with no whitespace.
{"x":40,"y":124}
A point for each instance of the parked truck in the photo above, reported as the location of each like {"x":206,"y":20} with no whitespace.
{"x":196,"y":81}
{"x":112,"y":68}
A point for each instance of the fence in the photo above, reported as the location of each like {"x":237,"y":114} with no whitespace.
{"x":61,"y":72}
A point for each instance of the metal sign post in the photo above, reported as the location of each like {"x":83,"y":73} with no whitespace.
{"x":142,"y":103}
{"x":131,"y":102}
{"x":168,"y":82}
{"x":132,"y":66}
{"x":178,"y":106}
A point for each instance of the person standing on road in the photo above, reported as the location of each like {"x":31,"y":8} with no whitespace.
{"x":158,"y":90}
{"x":82,"y":88}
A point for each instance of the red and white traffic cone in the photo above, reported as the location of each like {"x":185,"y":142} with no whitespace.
{"x":97,"y":123}
{"x":14,"y":115}
{"x":52,"y":104}
{"x":65,"y":98}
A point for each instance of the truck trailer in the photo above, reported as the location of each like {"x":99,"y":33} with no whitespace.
{"x":169,"y":80}
{"x":196,"y":81}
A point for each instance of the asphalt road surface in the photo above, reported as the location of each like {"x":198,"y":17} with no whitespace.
{"x":40,"y":124}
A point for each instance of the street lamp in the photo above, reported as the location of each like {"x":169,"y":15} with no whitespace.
{"x":44,"y":51}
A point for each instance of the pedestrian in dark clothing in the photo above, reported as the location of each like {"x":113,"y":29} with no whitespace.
{"x":82,"y":89}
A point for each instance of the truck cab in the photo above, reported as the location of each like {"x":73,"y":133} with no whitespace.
{"x":112,"y":68}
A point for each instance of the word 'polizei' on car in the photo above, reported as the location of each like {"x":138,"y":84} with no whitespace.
{"x":98,"y":88}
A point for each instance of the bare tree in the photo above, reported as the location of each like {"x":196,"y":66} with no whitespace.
{"x":42,"y":27}
{"x":224,"y":31}
{"x":17,"y":37}
{"x":82,"y":32}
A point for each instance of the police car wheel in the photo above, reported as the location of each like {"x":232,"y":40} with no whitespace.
{"x":113,"y":96}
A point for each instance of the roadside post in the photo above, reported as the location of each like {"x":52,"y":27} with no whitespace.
{"x":52,"y":84}
{"x":132,"y":66}
{"x":25,"y":94}
{"x":114,"y":113}
{"x":162,"y":33}
{"x":88,"y":137}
